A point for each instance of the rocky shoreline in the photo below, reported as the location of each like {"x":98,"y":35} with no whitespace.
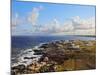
{"x":56,"y":56}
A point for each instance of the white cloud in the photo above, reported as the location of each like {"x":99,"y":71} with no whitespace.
{"x":76,"y":26}
{"x":79,"y":23}
{"x":31,"y":18}
{"x":56,"y":27}
{"x":34,"y":14}
{"x":68,"y":26}
{"x":84,"y":26}
{"x":14,"y":20}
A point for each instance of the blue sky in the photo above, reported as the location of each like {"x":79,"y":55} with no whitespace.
{"x":49,"y":16}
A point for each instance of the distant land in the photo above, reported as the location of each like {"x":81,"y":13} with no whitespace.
{"x":87,"y":35}
{"x":58,"y":35}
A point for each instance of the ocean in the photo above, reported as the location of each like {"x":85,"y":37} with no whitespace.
{"x":22,"y":43}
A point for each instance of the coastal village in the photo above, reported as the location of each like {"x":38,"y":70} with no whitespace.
{"x":57,"y":56}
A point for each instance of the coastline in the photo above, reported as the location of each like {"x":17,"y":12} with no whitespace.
{"x":49,"y":54}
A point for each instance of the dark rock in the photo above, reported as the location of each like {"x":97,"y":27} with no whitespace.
{"x":29,"y":57}
{"x":38,"y":52}
{"x":44,"y":46}
{"x":56,"y":55}
{"x":18,"y":69}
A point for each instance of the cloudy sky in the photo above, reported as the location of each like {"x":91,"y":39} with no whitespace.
{"x":32,"y":18}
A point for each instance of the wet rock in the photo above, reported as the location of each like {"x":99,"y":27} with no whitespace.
{"x":38,"y":52}
{"x":29,"y":57}
{"x":18,"y":69}
{"x":44,"y":46}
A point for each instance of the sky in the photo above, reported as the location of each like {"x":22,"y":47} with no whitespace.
{"x":38,"y":18}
